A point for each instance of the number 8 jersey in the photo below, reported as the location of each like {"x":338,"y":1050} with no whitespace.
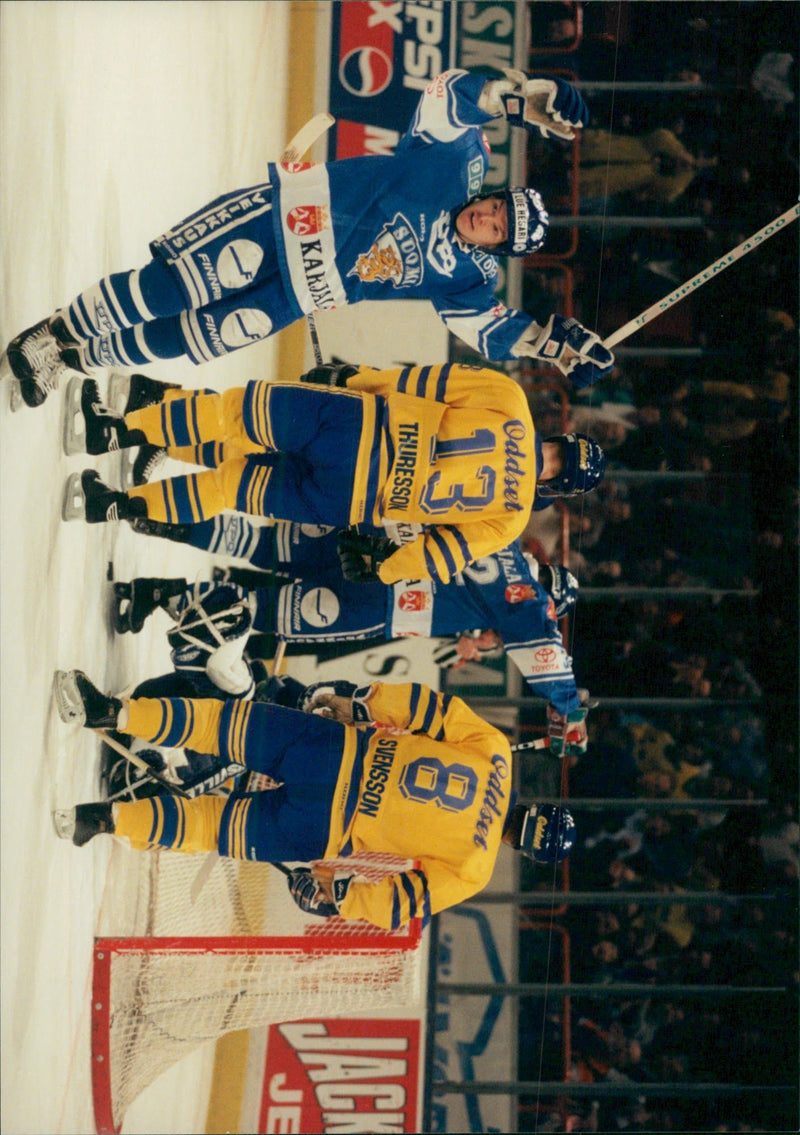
{"x":439,"y":792}
{"x":458,"y":454}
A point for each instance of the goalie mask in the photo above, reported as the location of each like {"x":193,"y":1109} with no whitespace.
{"x":547,"y":834}
{"x":584,"y":466}
{"x":210,"y":621}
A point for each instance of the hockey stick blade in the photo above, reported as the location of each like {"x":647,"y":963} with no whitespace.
{"x":306,"y":136}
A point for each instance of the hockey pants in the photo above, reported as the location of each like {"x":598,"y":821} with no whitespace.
{"x":295,"y":450}
{"x":315,"y":759}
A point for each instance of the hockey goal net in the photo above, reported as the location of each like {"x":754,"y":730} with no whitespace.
{"x":194,"y":948}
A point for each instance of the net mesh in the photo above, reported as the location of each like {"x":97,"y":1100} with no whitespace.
{"x":192,"y":948}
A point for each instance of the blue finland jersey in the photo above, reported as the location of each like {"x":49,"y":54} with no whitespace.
{"x":380,"y":227}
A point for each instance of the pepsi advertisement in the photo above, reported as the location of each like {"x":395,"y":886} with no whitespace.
{"x":384,"y":53}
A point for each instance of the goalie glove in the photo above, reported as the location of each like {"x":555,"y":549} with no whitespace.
{"x":309,"y":895}
{"x":331,"y":374}
{"x":550,"y":105}
{"x":361,"y":556}
{"x":569,"y":346}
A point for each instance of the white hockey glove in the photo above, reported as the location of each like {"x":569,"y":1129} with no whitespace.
{"x":549,"y":105}
{"x":310,"y":896}
{"x":569,"y":346}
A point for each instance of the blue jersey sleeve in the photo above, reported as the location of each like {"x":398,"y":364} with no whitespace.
{"x":447,"y":110}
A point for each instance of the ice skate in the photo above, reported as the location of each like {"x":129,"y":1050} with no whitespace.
{"x":135,"y":601}
{"x":129,"y":392}
{"x":82,"y":823}
{"x":79,"y":702}
{"x":89,"y":426}
{"x":33,"y":360}
{"x":87,"y":498}
{"x":139,"y":465}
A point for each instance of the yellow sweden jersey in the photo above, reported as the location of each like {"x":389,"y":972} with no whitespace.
{"x":458,"y":451}
{"x":439,"y":794}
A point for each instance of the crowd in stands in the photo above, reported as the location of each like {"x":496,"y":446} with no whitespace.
{"x":728,"y":156}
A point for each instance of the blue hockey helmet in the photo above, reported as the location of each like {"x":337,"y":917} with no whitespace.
{"x":548,"y":833}
{"x":583,"y":469}
{"x":527,"y":220}
{"x":562,"y":586}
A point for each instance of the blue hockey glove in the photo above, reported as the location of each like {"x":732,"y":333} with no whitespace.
{"x":587,"y":359}
{"x":550,"y":105}
{"x":330,"y":374}
{"x":310,"y":897}
{"x":361,"y":556}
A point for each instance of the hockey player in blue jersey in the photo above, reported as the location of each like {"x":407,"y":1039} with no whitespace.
{"x":302,"y":597}
{"x":414,"y":225}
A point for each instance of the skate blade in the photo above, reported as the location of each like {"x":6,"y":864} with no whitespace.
{"x":69,"y":702}
{"x":16,"y":401}
{"x":73,"y":424}
{"x":119,"y":386}
{"x":73,"y":506}
{"x":127,"y":461}
{"x":64,"y":822}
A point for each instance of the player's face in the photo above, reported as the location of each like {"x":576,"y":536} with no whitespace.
{"x":483,"y":222}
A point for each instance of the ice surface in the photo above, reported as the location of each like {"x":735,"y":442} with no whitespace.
{"x":117,"y":120}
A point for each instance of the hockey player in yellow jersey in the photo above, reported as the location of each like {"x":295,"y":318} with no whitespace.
{"x":450,"y":447}
{"x":385,"y":768}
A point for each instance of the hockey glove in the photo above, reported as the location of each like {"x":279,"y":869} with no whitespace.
{"x":307,"y":892}
{"x":576,"y":352}
{"x":330,"y":374}
{"x":320,"y":698}
{"x":361,"y":556}
{"x":568,"y":736}
{"x":549,"y":105}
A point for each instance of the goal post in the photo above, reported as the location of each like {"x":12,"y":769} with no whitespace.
{"x":193,"y":971}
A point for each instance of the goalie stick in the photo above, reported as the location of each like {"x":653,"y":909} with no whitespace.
{"x":703,"y":277}
{"x":303,"y":140}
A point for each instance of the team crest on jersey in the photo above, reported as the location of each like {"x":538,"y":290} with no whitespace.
{"x":414,"y":600}
{"x":307,"y":220}
{"x":395,"y":257}
{"x":295,"y":167}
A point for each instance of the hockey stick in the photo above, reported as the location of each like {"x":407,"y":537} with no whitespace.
{"x":277,"y":658}
{"x":303,"y":140}
{"x":703,"y":277}
{"x":208,"y":865}
{"x":539,"y":743}
{"x":114,"y":744}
